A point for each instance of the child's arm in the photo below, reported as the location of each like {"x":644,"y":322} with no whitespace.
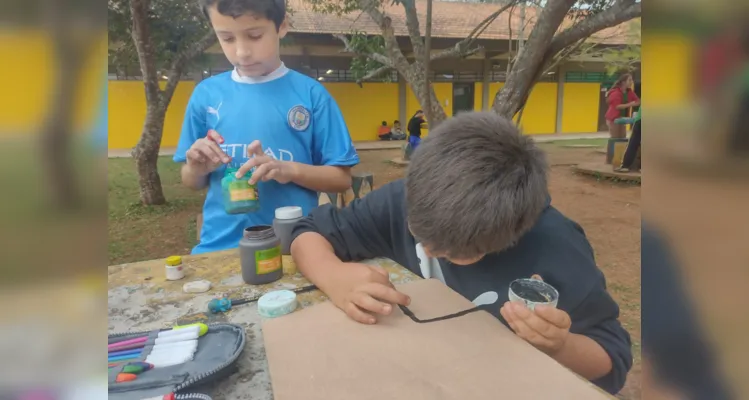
{"x":325,"y":244}
{"x":197,"y":147}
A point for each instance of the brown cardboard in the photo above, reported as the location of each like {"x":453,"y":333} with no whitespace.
{"x":319,"y":353}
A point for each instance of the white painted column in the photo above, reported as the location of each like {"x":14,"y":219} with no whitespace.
{"x":560,"y":98}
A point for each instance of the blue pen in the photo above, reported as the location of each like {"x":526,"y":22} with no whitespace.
{"x":124,"y":352}
{"x":123,"y":357}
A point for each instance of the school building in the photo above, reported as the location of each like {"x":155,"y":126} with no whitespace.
{"x":568,"y":99}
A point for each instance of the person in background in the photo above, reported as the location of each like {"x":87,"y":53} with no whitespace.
{"x":384,"y":131}
{"x":397,"y":133}
{"x":620,"y":98}
{"x":414,"y":129}
{"x":633,"y":145}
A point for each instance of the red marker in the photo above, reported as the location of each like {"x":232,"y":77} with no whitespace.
{"x":126,"y":377}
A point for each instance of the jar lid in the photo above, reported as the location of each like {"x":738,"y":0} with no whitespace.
{"x":173,"y":261}
{"x":291,"y":212}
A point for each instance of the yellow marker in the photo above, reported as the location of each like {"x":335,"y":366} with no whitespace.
{"x":203,"y":328}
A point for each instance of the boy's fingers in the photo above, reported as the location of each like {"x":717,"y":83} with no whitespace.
{"x":215,"y":136}
{"x":385,"y":293}
{"x":367,"y":303}
{"x":211,"y":150}
{"x":244,"y":168}
{"x":255,"y":149}
{"x":270,"y":175}
{"x":536,"y":277}
{"x":554,"y":316}
{"x":379,"y":270}
{"x":358,"y":315}
{"x":260,"y":173}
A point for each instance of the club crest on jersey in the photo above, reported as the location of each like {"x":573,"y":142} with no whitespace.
{"x":299,"y":118}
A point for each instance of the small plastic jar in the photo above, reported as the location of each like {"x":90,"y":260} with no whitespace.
{"x":174,"y":269}
{"x":239,"y":196}
{"x":283,"y":224}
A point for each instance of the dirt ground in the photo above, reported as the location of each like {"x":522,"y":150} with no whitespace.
{"x":610,"y":214}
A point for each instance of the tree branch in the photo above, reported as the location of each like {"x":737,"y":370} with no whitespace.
{"x":380,"y":58}
{"x":461,"y":48}
{"x":181,"y":61}
{"x":373,"y":74}
{"x":621,"y":11}
{"x":394,"y":54}
{"x":142,"y":38}
{"x":456,"y":51}
{"x":412,"y":23}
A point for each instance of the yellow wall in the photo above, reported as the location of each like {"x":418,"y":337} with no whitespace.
{"x":444,"y":93}
{"x":670,"y":59}
{"x":580,"y":107}
{"x":539,"y":116}
{"x":127,"y":111}
{"x":29,"y":76}
{"x":365,"y":108}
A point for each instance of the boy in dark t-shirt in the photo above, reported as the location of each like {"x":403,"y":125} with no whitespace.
{"x":473,"y":212}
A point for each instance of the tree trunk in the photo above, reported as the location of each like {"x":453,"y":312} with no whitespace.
{"x":513,"y":95}
{"x":146,"y":155}
{"x":416,"y":78}
{"x":71,"y":51}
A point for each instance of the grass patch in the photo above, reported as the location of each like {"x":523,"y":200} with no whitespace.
{"x":138,"y":232}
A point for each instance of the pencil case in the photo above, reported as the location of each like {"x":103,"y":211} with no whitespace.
{"x":217,"y":351}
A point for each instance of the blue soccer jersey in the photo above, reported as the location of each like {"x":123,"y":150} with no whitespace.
{"x":294,"y":118}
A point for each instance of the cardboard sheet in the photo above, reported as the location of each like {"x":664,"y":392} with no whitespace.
{"x":319,"y":353}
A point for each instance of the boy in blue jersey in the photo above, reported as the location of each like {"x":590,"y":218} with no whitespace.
{"x":263,"y":116}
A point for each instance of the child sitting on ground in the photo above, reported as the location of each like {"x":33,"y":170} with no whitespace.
{"x":474,"y":212}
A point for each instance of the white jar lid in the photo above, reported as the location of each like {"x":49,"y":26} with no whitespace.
{"x":291,"y":212}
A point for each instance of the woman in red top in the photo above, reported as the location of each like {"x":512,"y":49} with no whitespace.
{"x":620,"y":98}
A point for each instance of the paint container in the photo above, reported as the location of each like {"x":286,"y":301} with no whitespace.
{"x":260,"y":255}
{"x":174,"y":269}
{"x":283,"y":224}
{"x":239,"y":196}
{"x":533,"y":292}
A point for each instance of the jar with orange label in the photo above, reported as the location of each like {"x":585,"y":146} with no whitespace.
{"x":260,"y":255}
{"x":239,"y":196}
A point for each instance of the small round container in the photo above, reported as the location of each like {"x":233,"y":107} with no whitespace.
{"x":239,"y":196}
{"x":533,"y":292}
{"x":283,"y":224}
{"x":260,"y":255}
{"x":174,"y":269}
{"x":277,"y":303}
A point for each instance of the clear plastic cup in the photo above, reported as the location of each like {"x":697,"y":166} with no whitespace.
{"x":533,"y":292}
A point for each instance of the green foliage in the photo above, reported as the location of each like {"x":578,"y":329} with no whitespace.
{"x":361,"y":44}
{"x":174,"y":24}
{"x":624,"y":59}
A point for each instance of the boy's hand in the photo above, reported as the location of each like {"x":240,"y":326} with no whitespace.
{"x":205,"y":155}
{"x":366,"y":291}
{"x":546,"y":328}
{"x":267,"y":167}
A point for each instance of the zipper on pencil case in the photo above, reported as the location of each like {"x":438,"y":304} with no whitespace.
{"x":197,"y":378}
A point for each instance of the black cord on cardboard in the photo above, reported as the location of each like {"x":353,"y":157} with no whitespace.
{"x":414,"y":318}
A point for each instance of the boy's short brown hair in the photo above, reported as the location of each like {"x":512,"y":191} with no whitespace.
{"x":274,"y":10}
{"x":475,"y":185}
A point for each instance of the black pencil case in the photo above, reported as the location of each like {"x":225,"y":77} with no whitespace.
{"x":218,"y":350}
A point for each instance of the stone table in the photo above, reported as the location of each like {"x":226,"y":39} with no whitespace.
{"x":141,"y":299}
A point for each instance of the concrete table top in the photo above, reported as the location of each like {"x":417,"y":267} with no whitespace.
{"x":140,"y":298}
